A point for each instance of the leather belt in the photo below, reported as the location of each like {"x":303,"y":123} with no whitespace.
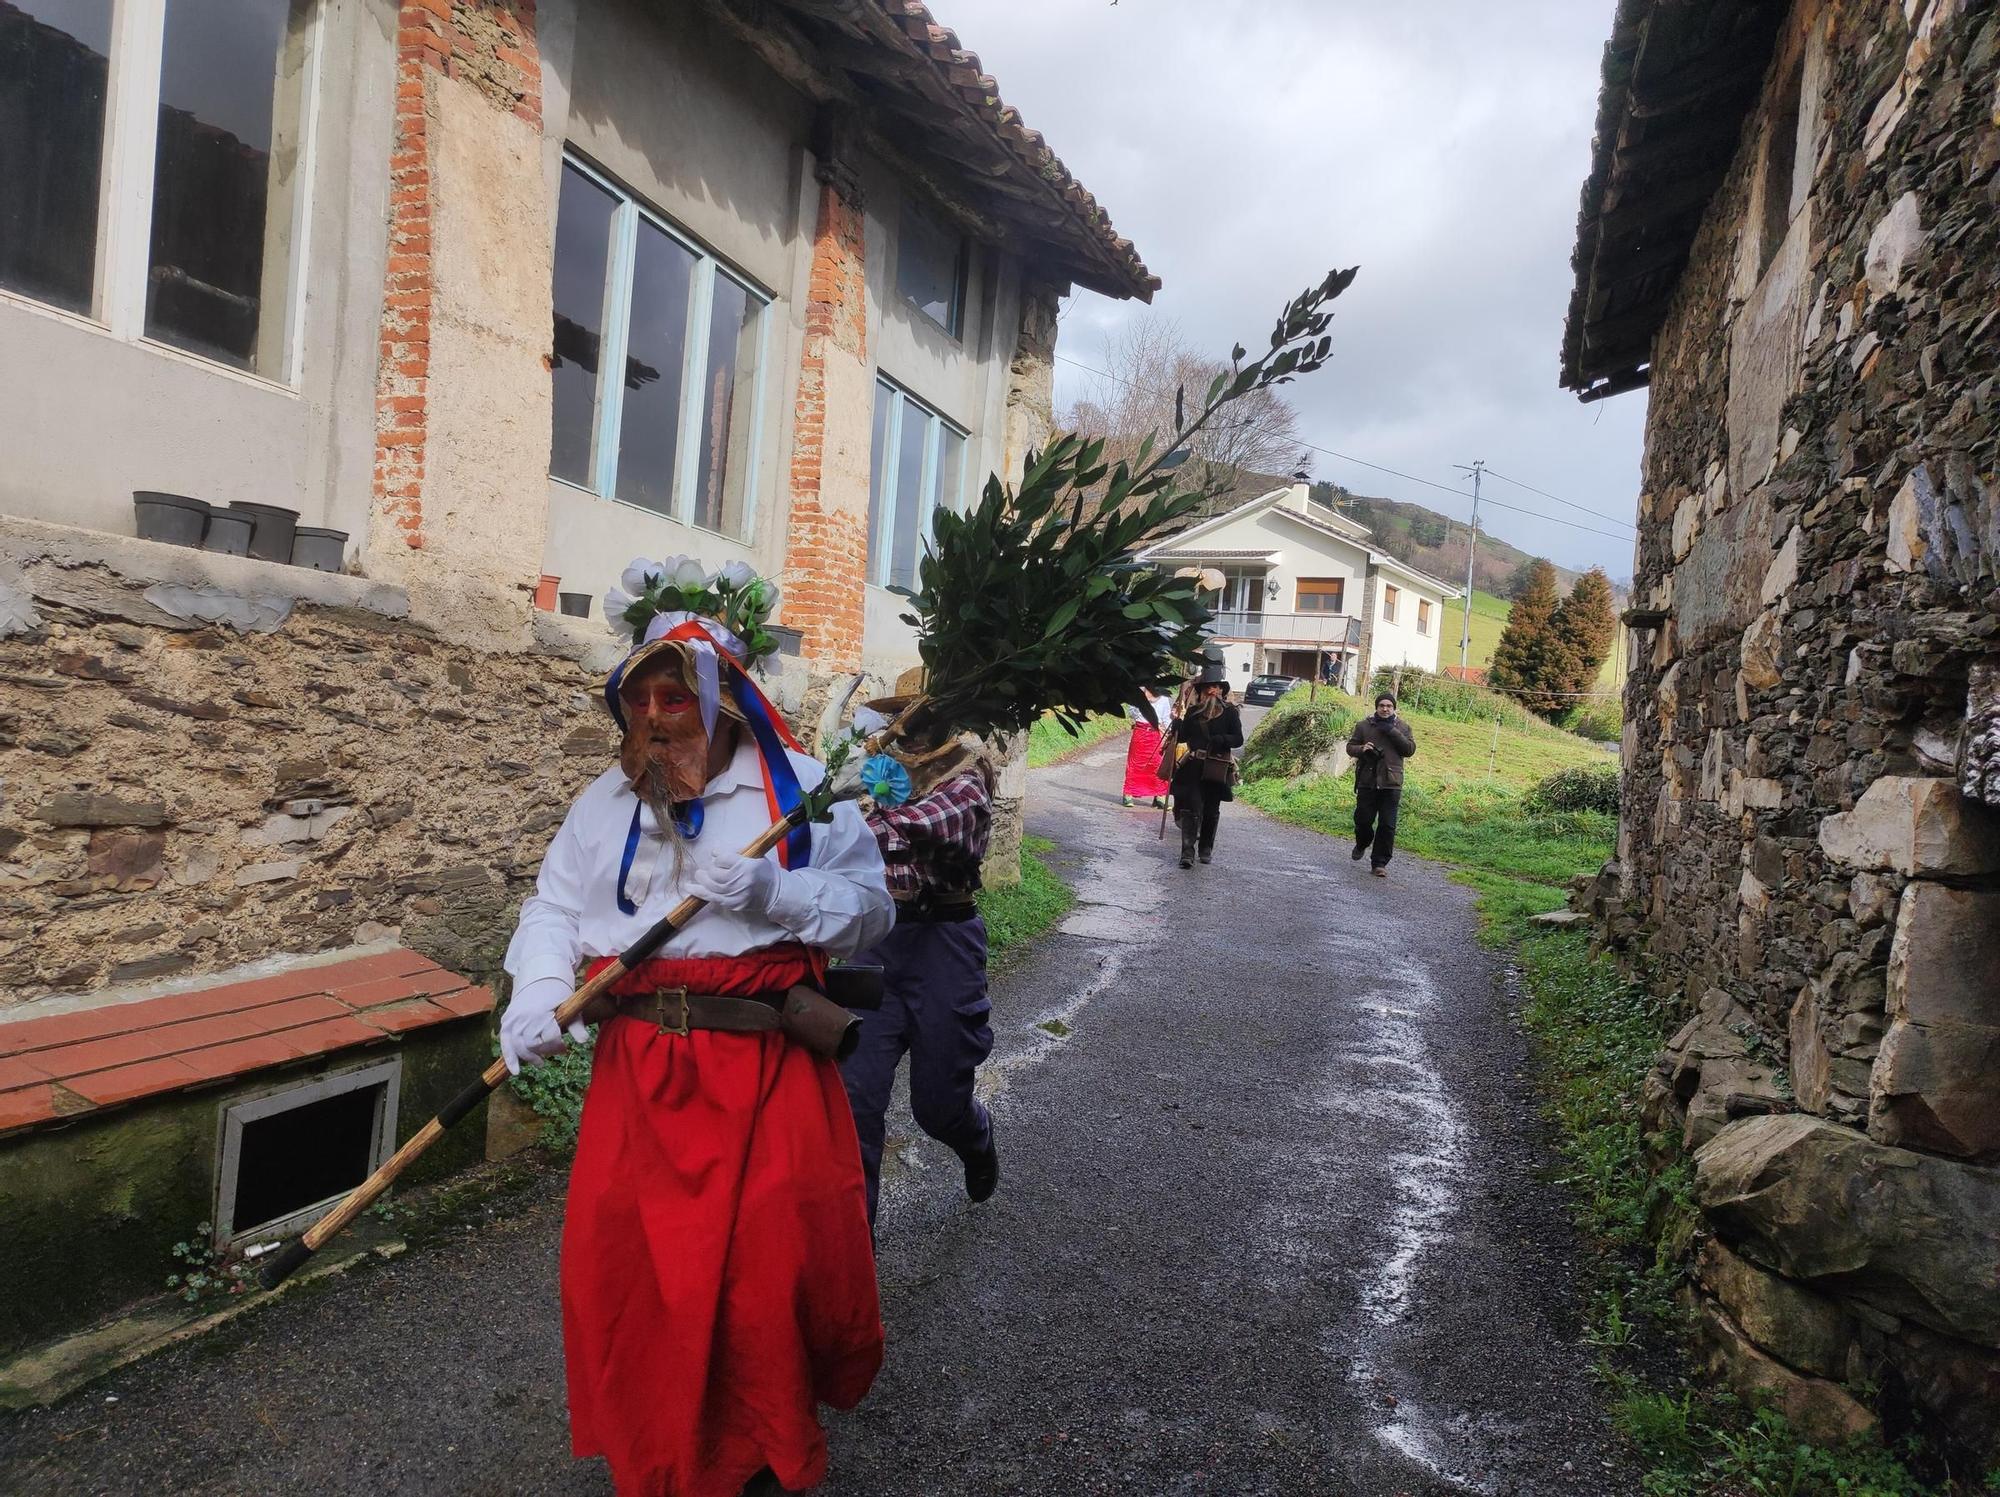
{"x":677,"y":1011}
{"x":933,"y":908}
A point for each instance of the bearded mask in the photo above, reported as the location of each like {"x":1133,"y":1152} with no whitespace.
{"x":665,"y":752}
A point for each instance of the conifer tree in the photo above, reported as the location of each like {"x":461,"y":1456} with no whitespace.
{"x":1573,"y":648}
{"x":1517,"y":659}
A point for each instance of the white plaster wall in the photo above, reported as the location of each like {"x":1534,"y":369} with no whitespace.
{"x":1399,"y":643}
{"x":704,"y":134}
{"x":86,"y":418}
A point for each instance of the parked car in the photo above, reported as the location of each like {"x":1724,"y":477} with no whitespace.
{"x":1265,"y":690}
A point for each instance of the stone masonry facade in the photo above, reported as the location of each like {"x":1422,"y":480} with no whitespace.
{"x":1809,"y":856}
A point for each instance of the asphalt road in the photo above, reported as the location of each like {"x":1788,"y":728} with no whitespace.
{"x":1274,"y":1221}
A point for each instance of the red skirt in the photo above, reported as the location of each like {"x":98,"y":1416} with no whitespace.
{"x":1142,"y":764}
{"x":718,"y":1279}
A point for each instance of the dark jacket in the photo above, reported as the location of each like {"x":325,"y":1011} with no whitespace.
{"x":1383,"y":769}
{"x":1223,"y":731}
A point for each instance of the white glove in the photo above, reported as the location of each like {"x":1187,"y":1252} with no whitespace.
{"x":734,"y":882}
{"x":528,"y":1033}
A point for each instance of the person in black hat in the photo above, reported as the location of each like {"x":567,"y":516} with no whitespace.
{"x":1209,"y":728}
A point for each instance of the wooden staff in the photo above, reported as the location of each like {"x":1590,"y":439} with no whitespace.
{"x":299,"y":1249}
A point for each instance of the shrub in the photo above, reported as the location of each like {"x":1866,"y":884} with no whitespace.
{"x":1445,"y":696}
{"x":1584,"y":787}
{"x":1286,"y":743}
{"x":1601,"y":720}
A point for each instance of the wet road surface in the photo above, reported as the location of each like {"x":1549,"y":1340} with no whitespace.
{"x":1273,"y":1221}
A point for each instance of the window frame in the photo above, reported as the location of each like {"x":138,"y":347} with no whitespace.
{"x":1424,"y":617}
{"x":1392,"y":595}
{"x":127,"y":162}
{"x":961,"y":281}
{"x":615,"y":320}
{"x":1334,"y":587}
{"x":883,"y":526}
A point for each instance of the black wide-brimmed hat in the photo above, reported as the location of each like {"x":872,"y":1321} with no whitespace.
{"x":1214,"y":673}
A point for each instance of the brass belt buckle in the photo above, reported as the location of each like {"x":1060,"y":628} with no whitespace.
{"x":666,"y":1026}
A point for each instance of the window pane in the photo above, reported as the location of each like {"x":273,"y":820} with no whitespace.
{"x":735,"y":320}
{"x":52,"y":69}
{"x":912,"y":512}
{"x":878,"y":479}
{"x":583,"y":246}
{"x":949,"y":482}
{"x":226,"y":177}
{"x":649,"y":430}
{"x":928,"y":267}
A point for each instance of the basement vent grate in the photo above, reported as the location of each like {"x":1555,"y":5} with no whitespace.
{"x":288,"y":1155}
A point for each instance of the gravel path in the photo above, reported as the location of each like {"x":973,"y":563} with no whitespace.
{"x":1273,"y":1221}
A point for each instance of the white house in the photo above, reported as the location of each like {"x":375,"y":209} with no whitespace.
{"x":1307,"y":594}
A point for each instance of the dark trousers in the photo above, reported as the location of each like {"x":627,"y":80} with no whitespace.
{"x":1198,"y":810}
{"x":934,"y":1006}
{"x":1375,"y":821}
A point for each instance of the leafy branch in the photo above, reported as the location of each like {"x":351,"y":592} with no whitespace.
{"x":1031,"y":601}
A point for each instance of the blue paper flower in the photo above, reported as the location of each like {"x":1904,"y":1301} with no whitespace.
{"x":887,"y":782}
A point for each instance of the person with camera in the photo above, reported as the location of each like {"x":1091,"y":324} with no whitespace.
{"x":1379,"y":745}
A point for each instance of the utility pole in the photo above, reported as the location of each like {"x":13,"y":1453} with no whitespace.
{"x":1477,"y":467}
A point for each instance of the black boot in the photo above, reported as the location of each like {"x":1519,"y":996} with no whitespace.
{"x":1187,"y":845}
{"x":1207,"y":853}
{"x":982,"y":1173}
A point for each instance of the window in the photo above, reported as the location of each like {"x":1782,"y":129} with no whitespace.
{"x":1423,"y":616}
{"x":1390,"y":597}
{"x":1322,"y":594}
{"x":917,"y":467}
{"x":930,"y":269}
{"x":192,"y":239}
{"x":288,"y":1155}
{"x":676,"y":433}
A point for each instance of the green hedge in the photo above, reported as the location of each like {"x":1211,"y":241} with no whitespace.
{"x":1446,"y":696}
{"x":1286,"y":743}
{"x":1581,"y":788}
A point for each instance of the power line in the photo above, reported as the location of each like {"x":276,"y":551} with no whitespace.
{"x":1581,"y":508}
{"x":1443,"y":488}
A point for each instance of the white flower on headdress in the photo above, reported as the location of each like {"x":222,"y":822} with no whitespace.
{"x":684,"y":571}
{"x":767,"y":599}
{"x":638,"y":574}
{"x":736,"y":575}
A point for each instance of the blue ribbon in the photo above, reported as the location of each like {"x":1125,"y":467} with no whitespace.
{"x":688,"y":816}
{"x":784,"y":780}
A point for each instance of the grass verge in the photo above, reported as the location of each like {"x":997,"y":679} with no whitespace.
{"x":1018,"y":913}
{"x":1049,"y":740}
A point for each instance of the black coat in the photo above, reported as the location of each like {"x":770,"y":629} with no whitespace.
{"x":1203,"y":735}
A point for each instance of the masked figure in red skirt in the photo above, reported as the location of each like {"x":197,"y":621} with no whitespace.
{"x":718,"y":1281}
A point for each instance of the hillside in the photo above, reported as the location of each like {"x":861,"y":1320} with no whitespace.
{"x":1435,"y":543}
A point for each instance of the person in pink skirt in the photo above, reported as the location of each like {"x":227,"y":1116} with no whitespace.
{"x":1142,"y":755}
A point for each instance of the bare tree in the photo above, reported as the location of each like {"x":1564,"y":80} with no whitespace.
{"x":1150,"y":367}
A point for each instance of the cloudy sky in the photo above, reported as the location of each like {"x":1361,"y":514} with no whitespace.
{"x":1246,"y":148}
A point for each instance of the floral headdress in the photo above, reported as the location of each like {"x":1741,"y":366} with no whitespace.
{"x":677,"y":603}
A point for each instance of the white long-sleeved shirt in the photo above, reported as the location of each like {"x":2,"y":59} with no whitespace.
{"x":839,"y":903}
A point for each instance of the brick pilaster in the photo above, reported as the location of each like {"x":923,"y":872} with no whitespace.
{"x":491,"y":44}
{"x":826,"y":544}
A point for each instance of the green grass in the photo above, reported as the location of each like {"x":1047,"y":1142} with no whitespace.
{"x":1462,"y":805}
{"x":1049,"y":740}
{"x":1017,"y":913}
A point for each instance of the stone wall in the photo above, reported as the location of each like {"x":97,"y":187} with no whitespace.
{"x":1809,"y":856}
{"x":182,"y":797}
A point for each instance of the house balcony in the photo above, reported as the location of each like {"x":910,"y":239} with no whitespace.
{"x":1322,"y":630}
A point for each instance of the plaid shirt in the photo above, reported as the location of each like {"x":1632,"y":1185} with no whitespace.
{"x":935,"y":845}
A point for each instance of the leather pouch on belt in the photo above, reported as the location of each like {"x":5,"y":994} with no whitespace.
{"x":812,"y":1019}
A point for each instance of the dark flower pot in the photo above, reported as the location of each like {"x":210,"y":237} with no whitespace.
{"x":321,"y":550}
{"x":271,"y":539}
{"x":228,"y":533}
{"x":576,"y":605}
{"x":173,"y":518}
